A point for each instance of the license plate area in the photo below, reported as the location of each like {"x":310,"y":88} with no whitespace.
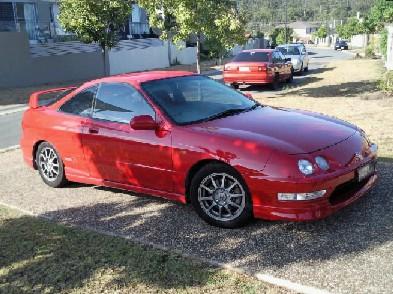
{"x":365,"y":171}
{"x":244,"y":69}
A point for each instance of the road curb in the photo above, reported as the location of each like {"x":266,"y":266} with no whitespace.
{"x":274,"y":281}
{"x":11,"y":148}
{"x":13,"y":110}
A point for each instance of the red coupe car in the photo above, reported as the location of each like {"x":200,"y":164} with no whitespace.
{"x":258,"y":66}
{"x":188,"y":138}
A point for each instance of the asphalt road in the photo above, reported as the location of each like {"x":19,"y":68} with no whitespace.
{"x":10,"y":124}
{"x":10,"y":129}
{"x":349,"y":252}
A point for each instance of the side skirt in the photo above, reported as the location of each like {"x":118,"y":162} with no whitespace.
{"x":98,"y":182}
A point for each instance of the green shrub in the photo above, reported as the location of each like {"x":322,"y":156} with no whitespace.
{"x":384,"y":42}
{"x":386,"y":84}
{"x":370,"y":51}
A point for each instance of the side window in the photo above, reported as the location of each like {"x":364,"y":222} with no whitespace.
{"x":120,"y":103}
{"x":282,"y":57}
{"x":275,"y":58}
{"x":81,"y":103}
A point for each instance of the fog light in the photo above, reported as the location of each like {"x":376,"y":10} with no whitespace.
{"x":301,"y":196}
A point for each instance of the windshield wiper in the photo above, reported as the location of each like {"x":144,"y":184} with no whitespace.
{"x":230,"y":112}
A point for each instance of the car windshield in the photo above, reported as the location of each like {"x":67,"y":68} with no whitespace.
{"x":252,"y":57}
{"x":193,"y":99}
{"x":289,"y":50}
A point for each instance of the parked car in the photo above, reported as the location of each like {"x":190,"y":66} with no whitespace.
{"x":188,"y":138}
{"x":298,"y":55}
{"x":341,"y":45}
{"x":258,"y":66}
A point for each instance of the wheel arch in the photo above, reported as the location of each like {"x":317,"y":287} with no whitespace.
{"x":34,"y":151}
{"x":197,"y":167}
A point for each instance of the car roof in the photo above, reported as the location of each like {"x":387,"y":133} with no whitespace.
{"x":141,"y":77}
{"x":259,"y":50}
{"x":290,"y":45}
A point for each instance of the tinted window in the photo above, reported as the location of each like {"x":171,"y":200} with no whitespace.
{"x":51,"y":98}
{"x":290,"y":50}
{"x":252,"y":56}
{"x":195,"y":98}
{"x":120,"y":103}
{"x":81,"y":103}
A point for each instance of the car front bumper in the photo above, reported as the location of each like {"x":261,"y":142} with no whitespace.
{"x":340,"y":195}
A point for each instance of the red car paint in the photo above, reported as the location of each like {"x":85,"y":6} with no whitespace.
{"x":258,"y":72}
{"x":263,"y":145}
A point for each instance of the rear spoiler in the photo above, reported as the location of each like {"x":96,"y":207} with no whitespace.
{"x":34,"y":100}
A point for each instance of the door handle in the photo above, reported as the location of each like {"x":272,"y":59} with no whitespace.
{"x":93,"y":131}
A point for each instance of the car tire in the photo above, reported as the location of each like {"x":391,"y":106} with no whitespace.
{"x":290,"y":79}
{"x":220,"y":196}
{"x":276,"y":83}
{"x":50,"y":166}
{"x":306,"y":69}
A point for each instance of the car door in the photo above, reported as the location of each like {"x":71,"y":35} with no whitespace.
{"x":67,"y":125}
{"x":120,"y":154}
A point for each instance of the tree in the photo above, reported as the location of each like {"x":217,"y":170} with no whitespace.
{"x":381,"y":13}
{"x":321,"y":32}
{"x":95,"y":21}
{"x":215,"y":20}
{"x":279,"y":36}
{"x":351,"y":28}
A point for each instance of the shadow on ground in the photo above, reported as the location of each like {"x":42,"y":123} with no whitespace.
{"x":259,"y":246}
{"x":40,"y":257}
{"x":351,"y":89}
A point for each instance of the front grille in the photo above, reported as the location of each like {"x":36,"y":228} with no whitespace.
{"x":345,"y":191}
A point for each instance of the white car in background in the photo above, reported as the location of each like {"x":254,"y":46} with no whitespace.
{"x":298,"y":54}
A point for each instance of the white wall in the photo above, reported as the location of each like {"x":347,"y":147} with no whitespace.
{"x":389,"y":57}
{"x":182,"y":54}
{"x":358,"y":41}
{"x":124,"y":61}
{"x":137,"y":60}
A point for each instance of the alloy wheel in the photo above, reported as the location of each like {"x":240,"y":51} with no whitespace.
{"x":221,"y":196}
{"x":48,"y":162}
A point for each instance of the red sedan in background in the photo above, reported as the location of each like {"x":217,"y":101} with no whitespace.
{"x":258,"y":66}
{"x":188,"y":138}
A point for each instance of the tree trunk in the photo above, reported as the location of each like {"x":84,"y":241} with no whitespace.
{"x":169,"y":49}
{"x":106,"y":61}
{"x":198,"y":53}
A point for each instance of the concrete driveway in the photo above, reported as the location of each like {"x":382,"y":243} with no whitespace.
{"x":350,"y":252}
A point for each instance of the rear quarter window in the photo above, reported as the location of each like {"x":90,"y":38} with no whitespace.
{"x":51,"y":98}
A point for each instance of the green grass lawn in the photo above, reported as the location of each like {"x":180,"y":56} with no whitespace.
{"x":43,"y":257}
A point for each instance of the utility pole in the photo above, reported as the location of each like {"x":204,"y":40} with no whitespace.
{"x":286,"y":21}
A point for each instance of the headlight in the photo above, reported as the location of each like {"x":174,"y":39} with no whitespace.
{"x":322,"y":163}
{"x":305,"y":167}
{"x":300,"y":196}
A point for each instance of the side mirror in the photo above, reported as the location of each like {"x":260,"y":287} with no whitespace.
{"x":143,"y":122}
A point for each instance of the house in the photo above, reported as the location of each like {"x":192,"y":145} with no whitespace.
{"x":303,"y":30}
{"x":39,"y":19}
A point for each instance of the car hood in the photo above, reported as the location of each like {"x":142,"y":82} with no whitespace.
{"x":287,"y":130}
